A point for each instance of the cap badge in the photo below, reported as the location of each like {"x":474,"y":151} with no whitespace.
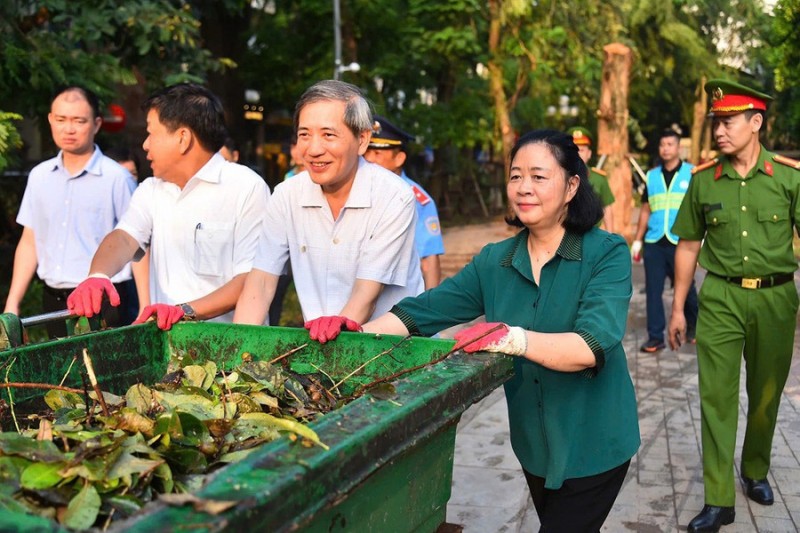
{"x":376,"y":127}
{"x":718,"y":94}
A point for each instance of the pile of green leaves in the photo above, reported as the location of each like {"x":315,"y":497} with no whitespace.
{"x":82,"y":468}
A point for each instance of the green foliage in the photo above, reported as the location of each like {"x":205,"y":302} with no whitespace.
{"x":784,"y":56}
{"x":96,"y":44}
{"x":9,"y":137}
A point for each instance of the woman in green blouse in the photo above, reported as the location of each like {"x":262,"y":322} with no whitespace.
{"x":558,"y":294}
{"x":555,"y":296}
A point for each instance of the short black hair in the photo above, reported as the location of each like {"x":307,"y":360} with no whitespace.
{"x":230,"y":144}
{"x":90,"y":97}
{"x":192,"y":106}
{"x":750,"y":113}
{"x":585,"y":210}
{"x":669,"y":132}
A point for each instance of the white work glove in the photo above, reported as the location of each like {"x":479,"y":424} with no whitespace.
{"x":493,"y":337}
{"x":636,"y":251}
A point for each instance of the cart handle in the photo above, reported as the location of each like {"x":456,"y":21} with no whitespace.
{"x":46,"y":317}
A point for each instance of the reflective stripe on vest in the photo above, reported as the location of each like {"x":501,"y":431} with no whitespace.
{"x":664,"y":203}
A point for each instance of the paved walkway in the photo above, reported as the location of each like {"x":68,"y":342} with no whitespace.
{"x":664,"y":486}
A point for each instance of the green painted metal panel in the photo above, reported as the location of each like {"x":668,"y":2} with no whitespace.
{"x":389,"y":465}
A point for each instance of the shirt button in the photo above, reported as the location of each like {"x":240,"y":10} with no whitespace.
{"x":743,"y":184}
{"x":746,"y":258}
{"x":336,"y":241}
{"x":744,"y":208}
{"x":303,"y":249}
{"x":715,"y":220}
{"x":774,"y":217}
{"x":744,"y":233}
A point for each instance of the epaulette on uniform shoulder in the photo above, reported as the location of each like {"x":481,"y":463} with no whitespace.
{"x":707,"y":164}
{"x":599,"y":171}
{"x":788,"y":161}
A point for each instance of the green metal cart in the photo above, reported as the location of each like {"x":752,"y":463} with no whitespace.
{"x":390,"y":463}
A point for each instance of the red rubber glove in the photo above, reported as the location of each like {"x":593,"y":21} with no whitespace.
{"x":166,"y":315}
{"x":505,"y":339}
{"x":327,"y":328}
{"x":87,"y":298}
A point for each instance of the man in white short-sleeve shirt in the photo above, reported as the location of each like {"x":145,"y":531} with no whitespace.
{"x":347,"y":225}
{"x":70,"y":203}
{"x":200,"y":216}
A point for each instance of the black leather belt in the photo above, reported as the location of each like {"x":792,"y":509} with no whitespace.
{"x":61,"y":294}
{"x":763,"y":282}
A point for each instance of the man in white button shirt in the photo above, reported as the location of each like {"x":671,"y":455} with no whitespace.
{"x":200,"y":216}
{"x":347,"y":225}
{"x":71,"y":202}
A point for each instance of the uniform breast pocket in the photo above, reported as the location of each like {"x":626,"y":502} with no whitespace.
{"x":717,"y":217}
{"x":775,"y":223}
{"x":213,"y":246}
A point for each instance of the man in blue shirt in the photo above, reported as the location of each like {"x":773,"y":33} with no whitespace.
{"x":387,"y":148}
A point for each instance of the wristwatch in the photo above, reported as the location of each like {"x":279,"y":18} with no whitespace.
{"x":188,"y":312}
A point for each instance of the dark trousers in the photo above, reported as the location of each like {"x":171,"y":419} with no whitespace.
{"x":124,"y":314}
{"x":659,"y":264}
{"x":276,"y":307}
{"x":581,"y":505}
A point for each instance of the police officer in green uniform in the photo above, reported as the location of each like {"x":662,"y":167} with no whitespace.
{"x":745,"y":205}
{"x":597,"y":178}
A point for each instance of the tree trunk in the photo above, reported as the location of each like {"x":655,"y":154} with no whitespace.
{"x":700,"y":104}
{"x":705,"y":151}
{"x":502,"y":120}
{"x":613,"y":132}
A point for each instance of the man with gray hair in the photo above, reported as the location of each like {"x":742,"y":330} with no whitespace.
{"x":346,"y":225}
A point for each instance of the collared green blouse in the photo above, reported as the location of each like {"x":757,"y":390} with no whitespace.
{"x":563,"y":425}
{"x":747,"y":222}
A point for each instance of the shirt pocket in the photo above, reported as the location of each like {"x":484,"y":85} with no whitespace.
{"x":213,"y":245}
{"x":775,"y":224}
{"x":717,"y":218}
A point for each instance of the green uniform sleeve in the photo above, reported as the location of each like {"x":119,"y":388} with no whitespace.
{"x":606,"y":196}
{"x":601,"y":188}
{"x":603,"y":311}
{"x":690,"y":222}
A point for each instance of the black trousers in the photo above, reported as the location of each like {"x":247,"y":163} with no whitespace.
{"x":581,"y":505}
{"x":276,"y":307}
{"x":124,"y":314}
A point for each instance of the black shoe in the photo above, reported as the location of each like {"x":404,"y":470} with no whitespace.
{"x":711,"y":518}
{"x":759,"y":491}
{"x":653,"y":345}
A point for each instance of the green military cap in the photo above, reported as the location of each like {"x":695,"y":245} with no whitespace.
{"x":580,"y":136}
{"x":731,"y":98}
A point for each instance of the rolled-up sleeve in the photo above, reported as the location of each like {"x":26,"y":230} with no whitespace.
{"x":249,"y":225}
{"x":272,"y":253}
{"x":603,"y":309}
